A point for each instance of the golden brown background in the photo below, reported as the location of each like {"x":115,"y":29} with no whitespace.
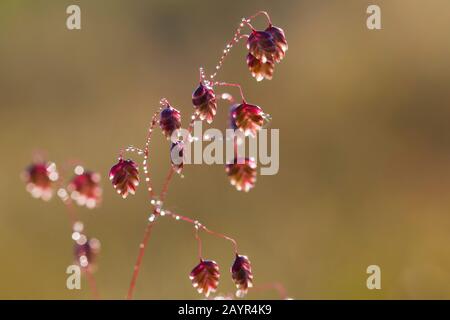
{"x":365,"y":145}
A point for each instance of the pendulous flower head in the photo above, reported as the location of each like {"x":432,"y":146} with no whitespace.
{"x":280,"y":41}
{"x":260,"y":70}
{"x":205,"y":277}
{"x":204,"y":101}
{"x":39,"y":178}
{"x":242,"y":173}
{"x":85,"y":189}
{"x":170,"y":120}
{"x":241,"y":272}
{"x":125,"y":177}
{"x":262,"y":46}
{"x":265,"y":48}
{"x":86,"y":252}
{"x":248,"y":118}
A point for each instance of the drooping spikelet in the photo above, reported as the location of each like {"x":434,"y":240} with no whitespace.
{"x":204,"y":101}
{"x":247,"y":117}
{"x":125,"y":177}
{"x":170,"y":120}
{"x":242,"y":173}
{"x":205,"y":277}
{"x":241,"y":272}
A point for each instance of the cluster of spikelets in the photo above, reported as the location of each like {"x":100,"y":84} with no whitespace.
{"x":265,"y":48}
{"x":42,"y":179}
{"x":205,"y":276}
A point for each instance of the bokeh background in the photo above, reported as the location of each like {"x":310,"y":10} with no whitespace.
{"x":364,"y":140}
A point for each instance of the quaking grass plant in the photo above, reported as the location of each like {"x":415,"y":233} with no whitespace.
{"x":265,"y":48}
{"x":42,"y":178}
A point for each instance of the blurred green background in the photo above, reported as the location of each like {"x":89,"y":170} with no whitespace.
{"x":364,"y":140}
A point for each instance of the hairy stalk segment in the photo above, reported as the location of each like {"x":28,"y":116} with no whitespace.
{"x":165,"y":188}
{"x":202,"y":75}
{"x":194,"y":118}
{"x":137,"y":266}
{"x":259,"y":13}
{"x":199,"y":241}
{"x":230,"y":44}
{"x":226,"y":84}
{"x":131,"y":149}
{"x":199,"y":226}
{"x":145,"y":162}
{"x":145,"y":154}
